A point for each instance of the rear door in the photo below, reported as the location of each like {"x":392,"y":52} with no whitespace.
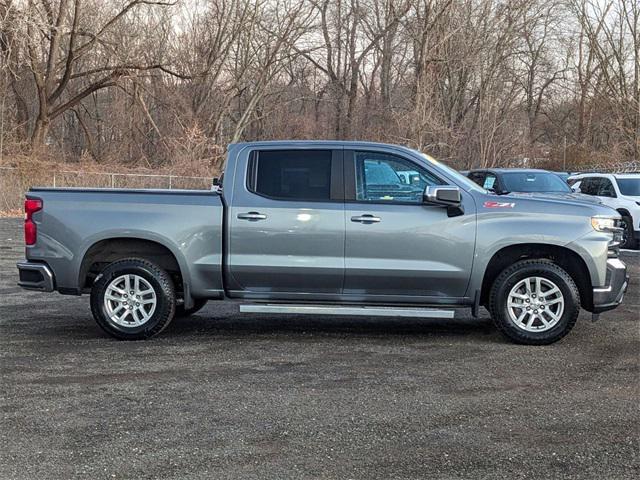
{"x":286,"y":224}
{"x":397,"y":247}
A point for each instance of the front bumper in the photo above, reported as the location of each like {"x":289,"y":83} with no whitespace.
{"x":610,"y":296}
{"x":36,"y":276}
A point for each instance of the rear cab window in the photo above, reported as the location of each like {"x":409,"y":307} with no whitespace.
{"x":312,"y":175}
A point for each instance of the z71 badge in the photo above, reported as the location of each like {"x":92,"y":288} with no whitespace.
{"x":499,"y":205}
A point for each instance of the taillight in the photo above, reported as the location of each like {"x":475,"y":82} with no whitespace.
{"x":31,"y":206}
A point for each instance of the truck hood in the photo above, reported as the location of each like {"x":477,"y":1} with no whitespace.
{"x":571,"y":197}
{"x":544,"y":204}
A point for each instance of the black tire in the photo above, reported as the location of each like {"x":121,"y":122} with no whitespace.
{"x":198,"y":304}
{"x":514,"y":274}
{"x":629,"y":239}
{"x":162,"y":286}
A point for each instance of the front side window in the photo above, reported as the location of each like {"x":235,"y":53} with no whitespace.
{"x":606,"y":188}
{"x":291,"y":174}
{"x":593,"y":186}
{"x":588,"y":186}
{"x":381,"y":177}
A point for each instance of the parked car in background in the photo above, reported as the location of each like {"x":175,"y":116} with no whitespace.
{"x":619,"y":191}
{"x":520,"y":180}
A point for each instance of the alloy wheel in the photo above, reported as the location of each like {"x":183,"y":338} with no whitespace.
{"x":535,"y":304}
{"x":130,"y":300}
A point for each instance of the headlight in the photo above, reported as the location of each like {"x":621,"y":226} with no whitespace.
{"x":603,"y":224}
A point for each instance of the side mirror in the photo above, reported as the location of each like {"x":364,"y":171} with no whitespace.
{"x":444,"y":195}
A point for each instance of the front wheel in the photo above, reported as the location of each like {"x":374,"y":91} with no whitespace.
{"x":534,"y":302}
{"x":133,"y":299}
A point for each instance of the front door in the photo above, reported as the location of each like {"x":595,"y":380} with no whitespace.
{"x":397,"y":246}
{"x":286,"y":225}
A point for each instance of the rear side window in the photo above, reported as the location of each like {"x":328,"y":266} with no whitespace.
{"x":629,"y":186}
{"x":291,"y":174}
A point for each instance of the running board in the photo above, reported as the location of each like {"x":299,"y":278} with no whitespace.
{"x":368,"y":311}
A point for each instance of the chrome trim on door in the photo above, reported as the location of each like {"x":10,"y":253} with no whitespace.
{"x":366,"y":219}
{"x":252,"y":216}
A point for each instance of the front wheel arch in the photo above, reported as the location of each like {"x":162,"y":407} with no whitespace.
{"x":567,"y":259}
{"x":624,"y":212}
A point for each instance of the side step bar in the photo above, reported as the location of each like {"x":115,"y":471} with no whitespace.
{"x":369,"y":311}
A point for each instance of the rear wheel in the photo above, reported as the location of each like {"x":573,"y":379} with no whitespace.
{"x":133,"y":299}
{"x":534,"y":302}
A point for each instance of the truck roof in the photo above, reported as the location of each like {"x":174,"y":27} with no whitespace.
{"x":321,"y":143}
{"x":297,"y":142}
{"x":509,"y":170}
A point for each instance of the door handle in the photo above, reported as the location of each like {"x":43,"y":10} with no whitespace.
{"x":252,"y":216}
{"x":366,"y":219}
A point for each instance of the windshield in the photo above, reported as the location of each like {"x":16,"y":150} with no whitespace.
{"x":629,"y":186}
{"x":534,"y":182}
{"x":454,"y":173}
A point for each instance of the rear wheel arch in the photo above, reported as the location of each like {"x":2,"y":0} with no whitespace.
{"x":133,"y":299}
{"x":106,"y":251}
{"x":564,"y":257}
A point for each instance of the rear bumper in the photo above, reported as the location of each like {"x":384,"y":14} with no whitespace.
{"x":36,"y":276}
{"x":610,"y":296}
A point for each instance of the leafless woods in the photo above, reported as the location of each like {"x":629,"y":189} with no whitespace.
{"x":477,"y":82}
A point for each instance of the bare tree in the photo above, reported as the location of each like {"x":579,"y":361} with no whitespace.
{"x":168,"y":83}
{"x":62,"y":42}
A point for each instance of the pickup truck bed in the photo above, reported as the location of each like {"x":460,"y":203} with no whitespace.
{"x":81,"y":226}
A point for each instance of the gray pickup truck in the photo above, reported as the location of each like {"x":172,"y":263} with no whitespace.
{"x":331,"y":228}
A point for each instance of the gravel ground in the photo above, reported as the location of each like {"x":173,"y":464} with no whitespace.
{"x":226,"y":396}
